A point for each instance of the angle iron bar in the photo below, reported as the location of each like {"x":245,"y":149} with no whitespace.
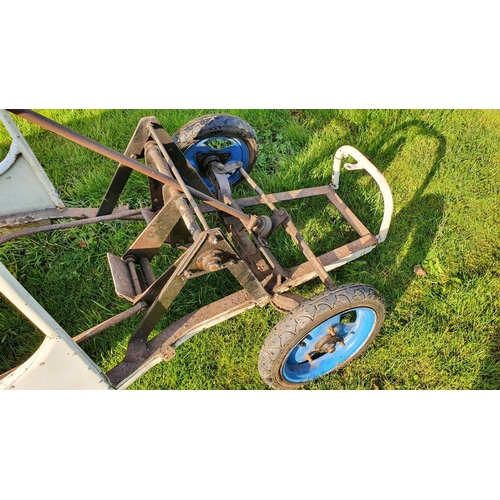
{"x":253,"y":201}
{"x":172,"y":282}
{"x":21,"y":218}
{"x":151,"y":239}
{"x":67,"y":225}
{"x":257,"y":189}
{"x":331,"y":260}
{"x":153,"y":154}
{"x":179,"y":179}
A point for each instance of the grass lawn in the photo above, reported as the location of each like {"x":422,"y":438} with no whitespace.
{"x":441,"y":329}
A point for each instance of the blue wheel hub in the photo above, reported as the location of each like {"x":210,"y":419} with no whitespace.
{"x":329,"y":345}
{"x":228,"y":149}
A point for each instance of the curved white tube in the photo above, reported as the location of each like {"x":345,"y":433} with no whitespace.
{"x":11,"y":157}
{"x":365,"y":164}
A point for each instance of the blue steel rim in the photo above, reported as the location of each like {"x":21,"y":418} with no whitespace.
{"x":237,"y":150}
{"x":297,"y":369}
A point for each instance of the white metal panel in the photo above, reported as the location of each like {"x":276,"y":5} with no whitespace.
{"x":59,"y":363}
{"x":24,"y":185}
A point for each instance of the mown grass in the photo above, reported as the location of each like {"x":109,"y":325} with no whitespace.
{"x":443,"y":166}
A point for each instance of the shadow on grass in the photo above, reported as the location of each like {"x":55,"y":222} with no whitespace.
{"x":416,"y":221}
{"x":415,"y":225}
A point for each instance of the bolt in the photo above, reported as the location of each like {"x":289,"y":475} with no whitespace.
{"x":187,"y":274}
{"x":214,"y":266}
{"x":332,"y":331}
{"x":214,"y":240}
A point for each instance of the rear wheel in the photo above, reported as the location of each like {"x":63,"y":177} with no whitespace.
{"x":226,"y":137}
{"x":321,"y":336}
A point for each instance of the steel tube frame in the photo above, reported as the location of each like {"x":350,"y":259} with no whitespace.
{"x":252,"y":273}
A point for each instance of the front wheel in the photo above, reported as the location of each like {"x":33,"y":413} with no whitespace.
{"x":229,"y":138}
{"x":321,"y":336}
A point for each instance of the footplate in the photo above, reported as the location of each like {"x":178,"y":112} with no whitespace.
{"x":129,"y":281}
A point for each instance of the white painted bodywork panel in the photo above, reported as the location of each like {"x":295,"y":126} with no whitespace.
{"x":59,"y":363}
{"x":24,"y":185}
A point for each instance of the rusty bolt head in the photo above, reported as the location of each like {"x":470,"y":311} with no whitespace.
{"x":332,"y":330}
{"x":214,"y":266}
{"x":210,"y":261}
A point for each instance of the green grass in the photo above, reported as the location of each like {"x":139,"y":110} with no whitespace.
{"x":443,"y":166}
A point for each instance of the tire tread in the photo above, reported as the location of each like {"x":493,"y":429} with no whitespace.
{"x":291,"y":329}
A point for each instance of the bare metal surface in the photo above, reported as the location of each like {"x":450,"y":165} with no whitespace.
{"x":60,"y":213}
{"x":297,"y":194}
{"x":147,"y":271}
{"x":213,"y":253}
{"x":122,"y":281}
{"x":246,"y":249}
{"x":341,"y":255}
{"x":179,"y":179}
{"x":134,"y":276}
{"x":347,"y":213}
{"x":115,"y":320}
{"x":126,"y":372}
{"x":153,"y":236}
{"x":156,"y":160}
{"x":122,"y":174}
{"x":67,"y":225}
{"x":286,"y":302}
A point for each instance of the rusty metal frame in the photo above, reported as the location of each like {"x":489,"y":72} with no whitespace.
{"x":179,"y":202}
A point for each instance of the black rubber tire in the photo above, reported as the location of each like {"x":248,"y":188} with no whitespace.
{"x":219,"y":125}
{"x":295,"y":327}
